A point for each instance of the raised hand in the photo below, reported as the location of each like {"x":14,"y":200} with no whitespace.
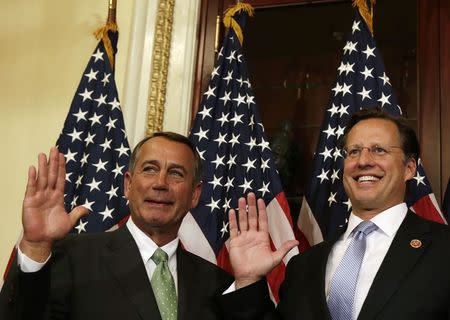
{"x":250,"y":253}
{"x":44,"y":217}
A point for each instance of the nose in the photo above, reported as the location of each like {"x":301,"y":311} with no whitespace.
{"x":160,"y":182}
{"x":365,"y":158}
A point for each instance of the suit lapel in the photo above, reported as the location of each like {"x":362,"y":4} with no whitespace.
{"x":123,"y":259}
{"x":328,"y":246}
{"x":188,"y":279}
{"x":398,"y":262}
{"x":323,"y":306}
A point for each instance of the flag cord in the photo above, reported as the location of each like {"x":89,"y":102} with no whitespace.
{"x":229,"y":21}
{"x":102,"y":33}
{"x":365,"y":13}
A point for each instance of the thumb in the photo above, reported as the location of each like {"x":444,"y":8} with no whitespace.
{"x":284,"y":249}
{"x":76,"y":214}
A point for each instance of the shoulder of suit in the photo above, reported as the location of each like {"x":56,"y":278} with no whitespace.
{"x":203,"y":263}
{"x":84,"y":240}
{"x":316,"y":251}
{"x":437,"y":231}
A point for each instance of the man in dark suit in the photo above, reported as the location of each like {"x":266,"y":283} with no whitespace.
{"x":112,"y":275}
{"x":387,"y":263}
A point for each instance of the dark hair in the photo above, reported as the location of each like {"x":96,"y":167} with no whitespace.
{"x":408,"y":139}
{"x":172,"y":136}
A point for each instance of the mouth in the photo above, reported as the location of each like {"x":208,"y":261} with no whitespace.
{"x":158,"y":202}
{"x":366,"y":179}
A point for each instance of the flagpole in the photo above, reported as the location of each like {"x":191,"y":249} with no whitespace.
{"x":111,"y":25}
{"x":112,"y":11}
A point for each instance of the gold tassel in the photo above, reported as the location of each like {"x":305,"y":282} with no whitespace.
{"x":365,"y":13}
{"x":229,"y":21}
{"x":102,"y":33}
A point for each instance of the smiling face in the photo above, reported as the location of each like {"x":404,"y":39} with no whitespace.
{"x":161,"y":188}
{"x":374,"y":185}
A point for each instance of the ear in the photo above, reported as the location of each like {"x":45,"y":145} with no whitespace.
{"x":196,"y":195}
{"x":127,"y":183}
{"x":410,"y":168}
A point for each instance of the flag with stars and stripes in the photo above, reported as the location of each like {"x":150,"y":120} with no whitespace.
{"x":95,"y":145}
{"x":361,"y":83}
{"x":230,"y":139}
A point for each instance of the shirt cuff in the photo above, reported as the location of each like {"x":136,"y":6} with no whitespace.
{"x":28,"y":265}
{"x":231,"y":288}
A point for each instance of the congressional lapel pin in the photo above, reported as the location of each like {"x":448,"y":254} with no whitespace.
{"x":415,"y":243}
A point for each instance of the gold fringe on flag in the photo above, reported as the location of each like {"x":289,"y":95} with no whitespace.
{"x":102,"y":33}
{"x":229,"y":21}
{"x":365,"y":12}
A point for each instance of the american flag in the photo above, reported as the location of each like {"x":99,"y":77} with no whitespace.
{"x":361,"y":83}
{"x":95,"y":145}
{"x":230,"y":139}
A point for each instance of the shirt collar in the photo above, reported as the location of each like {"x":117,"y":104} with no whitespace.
{"x":387,"y":221}
{"x":146,"y":245}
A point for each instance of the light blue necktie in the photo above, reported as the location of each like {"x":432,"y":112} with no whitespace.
{"x":343,"y":283}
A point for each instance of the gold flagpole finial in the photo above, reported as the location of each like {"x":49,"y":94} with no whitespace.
{"x":365,"y":13}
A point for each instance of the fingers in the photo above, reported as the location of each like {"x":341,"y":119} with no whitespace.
{"x":252,"y":212}
{"x":262,"y":216}
{"x":252,"y":215}
{"x":61,"y":179}
{"x":76,"y":214}
{"x":284,"y":249}
{"x":42,"y":175}
{"x":242,"y":204}
{"x":31,"y":183}
{"x":50,"y":174}
{"x":53,"y":167}
{"x":234,"y":230}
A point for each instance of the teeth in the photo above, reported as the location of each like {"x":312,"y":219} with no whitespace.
{"x":367,"y":178}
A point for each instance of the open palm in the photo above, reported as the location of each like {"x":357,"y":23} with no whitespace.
{"x":250,"y":253}
{"x":44,"y":217}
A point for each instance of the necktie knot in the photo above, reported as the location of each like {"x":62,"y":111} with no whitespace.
{"x":364,"y":228}
{"x":159,"y":256}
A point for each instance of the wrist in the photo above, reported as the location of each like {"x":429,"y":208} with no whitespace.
{"x":37,"y":251}
{"x":243,"y":282}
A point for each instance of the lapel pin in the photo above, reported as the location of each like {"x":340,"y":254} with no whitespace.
{"x":415,"y":243}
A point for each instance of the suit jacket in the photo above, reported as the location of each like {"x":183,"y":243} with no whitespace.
{"x":413,"y":282}
{"x":102,"y":276}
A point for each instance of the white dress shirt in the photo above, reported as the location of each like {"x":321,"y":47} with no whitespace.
{"x":144,"y":243}
{"x":377,"y":245}
{"x":147,"y":247}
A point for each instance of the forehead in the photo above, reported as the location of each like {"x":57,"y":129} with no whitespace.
{"x":374,"y":131}
{"x":163,"y":149}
